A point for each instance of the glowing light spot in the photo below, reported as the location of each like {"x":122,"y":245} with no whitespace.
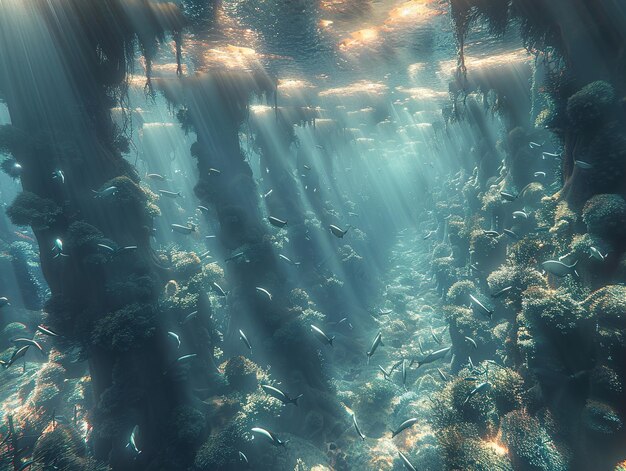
{"x":359,"y":38}
{"x":357,"y":88}
{"x":497,"y":447}
{"x":325,"y":23}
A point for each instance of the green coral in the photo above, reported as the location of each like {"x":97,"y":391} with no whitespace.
{"x":221,"y":451}
{"x":590,"y":105}
{"x":241,"y":374}
{"x":28,"y":209}
{"x":124,"y":329}
{"x":605,"y":216}
{"x":600,"y":419}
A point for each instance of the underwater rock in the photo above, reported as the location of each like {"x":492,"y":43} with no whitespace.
{"x":605,"y":216}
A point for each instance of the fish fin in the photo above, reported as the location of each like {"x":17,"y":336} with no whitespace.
{"x":330,"y":340}
{"x":285,"y":442}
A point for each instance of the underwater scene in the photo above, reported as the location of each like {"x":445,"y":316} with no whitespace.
{"x":313,"y":235}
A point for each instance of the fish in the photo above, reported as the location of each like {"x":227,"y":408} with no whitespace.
{"x":57,"y":248}
{"x":356,"y":426}
{"x":482,"y":387}
{"x":442,"y":375}
{"x":17,"y":354}
{"x":431,"y":357}
{"x":245,"y":340}
{"x":58,"y":175}
{"x":351,"y":214}
{"x":32,"y":342}
{"x":385,"y":311}
{"x":110,"y":191}
{"x":219,"y":289}
{"x":214,"y":171}
{"x":265,"y":292}
{"x":429,"y":234}
{"x":306,"y":167}
{"x":403,"y":426}
{"x":132,"y":440}
{"x":203,"y":209}
{"x":492,"y":233}
{"x":533,"y":145}
{"x":176,"y":338}
{"x":508,"y":196}
{"x":188,"y":317}
{"x":338,"y":232}
{"x":186,"y":358}
{"x":549,"y":154}
{"x":171,"y":194}
{"x":322,"y":336}
{"x":595,"y":253}
{"x":235,"y":256}
{"x":404,"y":371}
{"x":405,"y":461}
{"x":520,"y":214}
{"x":268,"y":193}
{"x":378,"y":340}
{"x":243,"y":457}
{"x":499,"y":293}
{"x":472,"y":341}
{"x":488,"y":312}
{"x":281,"y":395}
{"x":539,"y":174}
{"x":186,"y":230}
{"x":155,"y":176}
{"x":288,"y":260}
{"x":435,"y":338}
{"x":583,"y":165}
{"x":386,"y":374}
{"x":560,"y":269}
{"x":511,"y":234}
{"x":274,"y":440}
{"x":4,"y":301}
{"x":46,"y":331}
{"x":276,"y":222}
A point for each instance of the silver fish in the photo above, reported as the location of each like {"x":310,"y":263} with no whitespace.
{"x":288,"y":260}
{"x":378,"y":340}
{"x":435,"y":338}
{"x":487,"y":311}
{"x":507,"y":196}
{"x":322,"y":336}
{"x":386,"y":374}
{"x":405,"y":461}
{"x":595,"y":253}
{"x":482,"y":387}
{"x":403,"y":426}
{"x":243,"y":457}
{"x":404,"y":371}
{"x":274,"y":440}
{"x":520,"y":214}
{"x":442,"y":375}
{"x":281,"y":395}
{"x":4,"y":301}
{"x":175,"y":337}
{"x":155,"y":176}
{"x":32,"y":342}
{"x":188,"y":317}
{"x":265,"y":292}
{"x":219,"y":289}
{"x":560,"y":269}
{"x":356,"y":426}
{"x":104,"y":193}
{"x":170,"y":194}
{"x":472,"y":341}
{"x":583,"y":165}
{"x":511,"y":234}
{"x":431,"y":357}
{"x":245,"y":340}
{"x":132,"y":440}
{"x":214,"y":171}
{"x":46,"y":331}
{"x":17,"y":354}
{"x":203,"y":209}
{"x":277,"y":222}
{"x":186,"y":230}
{"x":540,"y":174}
{"x":338,"y":232}
{"x":58,"y":175}
{"x":505,"y":290}
{"x":491,"y":233}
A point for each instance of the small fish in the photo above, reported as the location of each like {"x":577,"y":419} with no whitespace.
{"x":549,"y":154}
{"x":235,"y":256}
{"x":442,"y":375}
{"x":58,"y":175}
{"x":595,"y":253}
{"x":354,"y":215}
{"x":378,"y":340}
{"x":203,"y":209}
{"x":110,"y":191}
{"x":171,"y":194}
{"x":505,"y":290}
{"x":507,"y":196}
{"x":288,"y":260}
{"x":583,"y":165}
{"x":492,"y":233}
{"x":472,"y":341}
{"x":470,"y":378}
{"x":356,"y":426}
{"x":155,"y":176}
{"x":46,"y":331}
{"x":186,"y":230}
{"x":429,"y":234}
{"x":219,"y":289}
{"x":488,"y":312}
{"x":533,"y":145}
{"x":57,"y":248}
{"x":176,"y":338}
{"x":274,"y":440}
{"x":559,"y":268}
{"x":385,"y":311}
{"x":306,"y":167}
{"x":32,"y":342}
{"x":268,"y":193}
{"x":4,"y":301}
{"x":186,"y":358}
{"x":520,"y":214}
{"x":431,"y":357}
{"x":245,"y":340}
{"x":405,"y":461}
{"x":277,"y":222}
{"x":281,"y":395}
{"x":482,"y":387}
{"x":17,"y":354}
{"x":188,"y":317}
{"x":540,"y":174}
{"x":243,"y":457}
{"x":386,"y":374}
{"x":435,"y":338}
{"x":338,"y":232}
{"x":322,"y":336}
{"x":511,"y":234}
{"x":403,"y":426}
{"x":265,"y":292}
{"x":404,"y":371}
{"x":214,"y":171}
{"x":132,"y":440}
